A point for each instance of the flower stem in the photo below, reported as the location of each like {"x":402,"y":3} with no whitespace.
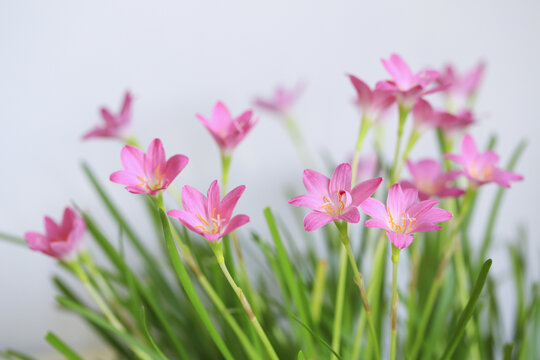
{"x":218,"y":250}
{"x":365,"y":125}
{"x":298,"y":141}
{"x":413,"y":138}
{"x":340,"y":297}
{"x":359,"y":280}
{"x":403,"y":113}
{"x":393,"y":334}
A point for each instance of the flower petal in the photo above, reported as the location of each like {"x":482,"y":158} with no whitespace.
{"x":315,"y":183}
{"x":401,"y":241}
{"x":174,"y":166}
{"x":364,"y":190}
{"x":132,"y":159}
{"x":193,"y":201}
{"x":155,"y":156}
{"x":341,"y":179}
{"x":230,"y":200}
{"x":235,"y":223}
{"x":352,"y":215}
{"x":308,"y":200}
{"x":315,"y":219}
{"x":375,"y":209}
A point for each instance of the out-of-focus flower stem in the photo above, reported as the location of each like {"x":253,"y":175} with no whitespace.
{"x":298,"y":140}
{"x":393,"y":333}
{"x":340,"y":298}
{"x":403,"y":113}
{"x":413,"y":138}
{"x":218,"y":250}
{"x":365,"y":125}
{"x":318,"y":290}
{"x":359,"y":280}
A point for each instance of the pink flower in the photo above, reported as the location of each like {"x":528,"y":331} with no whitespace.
{"x":208,"y":216}
{"x":333,"y":200}
{"x":282,"y":100}
{"x":403,"y":215}
{"x":450,"y":123}
{"x":481,"y":168}
{"x":464,"y":85}
{"x":115,"y":125}
{"x":404,"y":84}
{"x":424,"y":117}
{"x":60,"y":241}
{"x":430,"y":180}
{"x":226,"y":130}
{"x":148,"y":173}
{"x":373,"y":102}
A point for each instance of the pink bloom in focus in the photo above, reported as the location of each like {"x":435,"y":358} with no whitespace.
{"x":332,"y":199}
{"x":407,"y":87}
{"x":450,"y":123}
{"x":148,"y":173}
{"x":464,"y":85}
{"x":62,"y":240}
{"x":282,"y":100}
{"x":430,"y":180}
{"x":209,"y":216}
{"x":481,"y":168}
{"x":403,"y":215}
{"x":115,"y":125}
{"x":373,"y":102}
{"x":226,"y":130}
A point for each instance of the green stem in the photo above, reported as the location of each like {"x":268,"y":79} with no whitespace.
{"x":393,"y":333}
{"x":359,"y":280}
{"x":403,"y":113}
{"x":218,"y":250}
{"x":340,"y":297}
{"x":365,"y":125}
{"x":298,"y":141}
{"x":318,"y":290}
{"x":413,"y":138}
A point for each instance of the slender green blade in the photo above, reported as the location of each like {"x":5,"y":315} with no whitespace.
{"x":149,"y":336}
{"x":12,"y":239}
{"x":62,"y":347}
{"x":468,"y":311}
{"x":14,"y":354}
{"x":189,"y":288}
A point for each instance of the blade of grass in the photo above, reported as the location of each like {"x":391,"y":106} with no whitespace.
{"x":149,"y":336}
{"x":190,"y":289}
{"x":16,"y":355}
{"x":468,"y":311}
{"x":13,"y":239}
{"x":62,"y":347}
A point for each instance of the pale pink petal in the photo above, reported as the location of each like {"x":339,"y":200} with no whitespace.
{"x":221,"y":117}
{"x":174,"y":166}
{"x":136,"y":189}
{"x":68,"y":220}
{"x":456,"y":158}
{"x":424,"y":227}
{"x":435,"y":215}
{"x":341,"y":179}
{"x":37,"y":241}
{"x":451,"y":192}
{"x":51,"y":228}
{"x":315,"y":182}
{"x":401,"y":241}
{"x":235,"y":223}
{"x":503,"y":177}
{"x":230,"y":200}
{"x":468,"y":147}
{"x":398,"y":70}
{"x":315,"y":219}
{"x":374,"y":208}
{"x":422,"y":112}
{"x":362,"y":90}
{"x":187,"y":219}
{"x":214,"y":198}
{"x":132,"y":159}
{"x":125,"y":178}
{"x":419,"y":209}
{"x":352,"y":216}
{"x":193,"y":201}
{"x":125,"y":113}
{"x":364,"y":190}
{"x":308,"y":200}
{"x":155,"y":156}
{"x":376,"y":223}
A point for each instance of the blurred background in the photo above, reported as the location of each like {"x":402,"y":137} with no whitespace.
{"x":61,"y":60}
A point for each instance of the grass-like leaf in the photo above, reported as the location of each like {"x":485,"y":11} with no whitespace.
{"x":62,"y":347}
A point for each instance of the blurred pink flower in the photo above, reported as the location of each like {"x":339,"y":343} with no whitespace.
{"x":367,"y":168}
{"x":464,"y":85}
{"x":407,"y":87}
{"x":332,"y":199}
{"x":209,"y":216}
{"x":226,"y":130}
{"x":62,"y":240}
{"x":148,"y":173}
{"x":424,"y":117}
{"x":481,"y":168}
{"x":430,"y":180}
{"x":281,"y":101}
{"x":455,"y":123}
{"x":115,"y":125}
{"x":403,"y":215}
{"x":373,"y":102}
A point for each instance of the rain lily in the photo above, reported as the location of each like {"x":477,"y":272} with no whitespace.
{"x":452,"y":124}
{"x":226,"y":130}
{"x":424,"y":117}
{"x":407,"y":87}
{"x":481,"y":168}
{"x":403,"y":215}
{"x":464,"y":85}
{"x":210,"y":216}
{"x":114,"y":125}
{"x":282,"y":100}
{"x":373,"y":102}
{"x":332,"y":199}
{"x":430,"y":180}
{"x":62,"y":240}
{"x":148,"y":173}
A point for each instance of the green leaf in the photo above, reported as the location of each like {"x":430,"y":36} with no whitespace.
{"x":13,"y":239}
{"x":301,"y":355}
{"x":14,"y":354}
{"x":468,"y":311}
{"x":507,"y":351}
{"x":149,"y":336}
{"x":137,"y":347}
{"x":62,"y":347}
{"x":189,"y":289}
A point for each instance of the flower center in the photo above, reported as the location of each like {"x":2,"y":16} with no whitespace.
{"x":212,"y":225}
{"x":152,"y":184}
{"x":482,"y":173}
{"x":334,"y":208}
{"x":402,"y":226}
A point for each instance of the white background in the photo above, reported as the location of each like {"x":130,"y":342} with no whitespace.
{"x":61,"y":60}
